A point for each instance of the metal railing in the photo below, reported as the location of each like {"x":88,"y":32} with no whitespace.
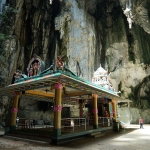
{"x":72,"y":122}
{"x":104,"y":121}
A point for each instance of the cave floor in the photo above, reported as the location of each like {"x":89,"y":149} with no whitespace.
{"x":131,"y":138}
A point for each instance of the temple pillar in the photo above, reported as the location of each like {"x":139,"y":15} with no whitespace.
{"x":57,"y":109}
{"x":116,"y":126}
{"x":114,"y":106}
{"x":14,"y":110}
{"x":110,"y":109}
{"x":95,"y":111}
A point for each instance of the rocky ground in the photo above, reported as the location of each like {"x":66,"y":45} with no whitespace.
{"x":132,"y":138}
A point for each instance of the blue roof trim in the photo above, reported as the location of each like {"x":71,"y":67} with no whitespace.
{"x":66,"y":72}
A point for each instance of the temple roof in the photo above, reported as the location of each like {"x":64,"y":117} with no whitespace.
{"x":75,"y":87}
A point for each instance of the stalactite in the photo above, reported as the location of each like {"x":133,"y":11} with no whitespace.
{"x":128,"y":13}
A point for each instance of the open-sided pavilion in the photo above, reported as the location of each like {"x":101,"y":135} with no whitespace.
{"x":62,"y":86}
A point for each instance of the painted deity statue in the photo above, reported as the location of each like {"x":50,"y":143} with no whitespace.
{"x":35,"y":66}
{"x":39,"y":68}
{"x":30,"y":72}
{"x":17,"y":74}
{"x":59,"y":63}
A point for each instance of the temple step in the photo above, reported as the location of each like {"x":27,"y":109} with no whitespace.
{"x":96,"y":134}
{"x":99,"y":135}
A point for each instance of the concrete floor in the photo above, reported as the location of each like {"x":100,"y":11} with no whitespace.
{"x":132,"y":138}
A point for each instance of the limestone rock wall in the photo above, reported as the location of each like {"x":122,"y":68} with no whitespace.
{"x":132,"y":115}
{"x":85,"y":33}
{"x":77,"y":32}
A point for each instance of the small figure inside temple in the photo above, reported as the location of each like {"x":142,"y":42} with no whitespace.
{"x":31,"y":72}
{"x":106,"y":114}
{"x":35,"y":69}
{"x":59,"y":63}
{"x":17,"y":74}
{"x":39,"y":68}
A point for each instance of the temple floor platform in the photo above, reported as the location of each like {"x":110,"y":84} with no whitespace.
{"x":45,"y":133}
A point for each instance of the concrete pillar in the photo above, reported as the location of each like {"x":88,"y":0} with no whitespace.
{"x":57,"y":109}
{"x":95,"y":111}
{"x":14,"y":110}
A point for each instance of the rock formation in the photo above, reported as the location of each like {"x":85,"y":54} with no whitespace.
{"x":85,"y":33}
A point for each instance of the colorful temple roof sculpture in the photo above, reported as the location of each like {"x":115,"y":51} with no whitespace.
{"x":101,"y":77}
{"x":75,"y":87}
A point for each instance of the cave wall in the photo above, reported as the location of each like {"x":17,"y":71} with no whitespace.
{"x":86,"y":33}
{"x":131,"y":115}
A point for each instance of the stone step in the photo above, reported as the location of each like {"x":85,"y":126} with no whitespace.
{"x":99,"y":135}
{"x":95,"y":133}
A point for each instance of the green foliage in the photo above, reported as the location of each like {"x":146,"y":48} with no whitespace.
{"x":6,"y":20}
{"x":3,"y":37}
{"x":11,"y":10}
{"x":4,"y":17}
{"x":7,"y":15}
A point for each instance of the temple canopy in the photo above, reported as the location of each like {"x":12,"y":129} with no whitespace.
{"x":40,"y":87}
